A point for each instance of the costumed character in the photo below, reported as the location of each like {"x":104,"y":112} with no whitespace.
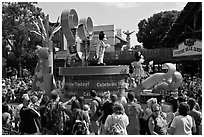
{"x":136,"y":66}
{"x":100,"y":49}
{"x":43,"y":78}
{"x":158,"y":77}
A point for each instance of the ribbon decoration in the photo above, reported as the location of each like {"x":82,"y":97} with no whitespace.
{"x":69,"y":23}
{"x":85,"y":31}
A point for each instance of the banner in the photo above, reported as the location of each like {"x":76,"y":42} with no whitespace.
{"x":188,"y":50}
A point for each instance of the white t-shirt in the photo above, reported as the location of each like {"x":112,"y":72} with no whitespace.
{"x":183,"y":125}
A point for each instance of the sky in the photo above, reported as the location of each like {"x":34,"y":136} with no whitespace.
{"x":123,"y":15}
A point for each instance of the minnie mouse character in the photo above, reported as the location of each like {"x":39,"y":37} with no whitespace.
{"x":100,"y":49}
{"x":136,"y":66}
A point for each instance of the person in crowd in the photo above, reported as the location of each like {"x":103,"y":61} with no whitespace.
{"x":106,"y":109}
{"x":197,"y":115}
{"x":42,"y":109}
{"x":85,"y":108}
{"x":17,"y":114}
{"x":7,"y":128}
{"x":106,"y":97}
{"x":174,"y":101}
{"x":6,"y":116}
{"x":122,"y":94}
{"x":132,"y":84}
{"x":157,"y":124}
{"x":199,"y":97}
{"x":118,"y":117}
{"x":146,"y":115}
{"x":94,"y":115}
{"x":133,"y":111}
{"x":29,"y":116}
{"x":181,"y":99}
{"x":80,"y":115}
{"x":183,"y":124}
{"x":55,"y":121}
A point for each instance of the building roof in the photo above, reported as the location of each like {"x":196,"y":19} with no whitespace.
{"x":185,"y":21}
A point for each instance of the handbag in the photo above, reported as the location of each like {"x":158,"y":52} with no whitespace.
{"x":115,"y":129}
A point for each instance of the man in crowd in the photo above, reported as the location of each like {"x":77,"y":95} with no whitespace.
{"x":29,"y":117}
{"x":133,"y":111}
{"x":95,"y":103}
{"x":197,"y":115}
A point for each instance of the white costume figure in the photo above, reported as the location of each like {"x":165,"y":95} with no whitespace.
{"x":138,"y":71}
{"x":100,"y":49}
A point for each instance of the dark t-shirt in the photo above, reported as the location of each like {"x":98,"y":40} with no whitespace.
{"x":174,"y":104}
{"x":28,"y":120}
{"x":107,"y":108}
{"x":197,"y":117}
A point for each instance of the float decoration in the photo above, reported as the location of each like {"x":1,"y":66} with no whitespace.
{"x":172,"y":75}
{"x":43,"y":78}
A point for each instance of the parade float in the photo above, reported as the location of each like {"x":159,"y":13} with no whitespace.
{"x":80,"y":80}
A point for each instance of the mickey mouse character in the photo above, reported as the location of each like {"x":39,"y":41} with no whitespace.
{"x":100,"y":49}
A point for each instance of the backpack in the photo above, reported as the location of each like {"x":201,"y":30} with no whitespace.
{"x":98,"y":110}
{"x":54,"y":117}
{"x":80,"y":126}
{"x":116,"y":129}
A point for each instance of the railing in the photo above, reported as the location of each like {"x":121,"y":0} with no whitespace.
{"x":126,"y":57}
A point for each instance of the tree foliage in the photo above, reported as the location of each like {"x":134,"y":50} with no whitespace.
{"x":17,"y":19}
{"x":152,"y":30}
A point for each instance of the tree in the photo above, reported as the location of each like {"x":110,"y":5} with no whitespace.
{"x":17,"y":20}
{"x":153,"y":30}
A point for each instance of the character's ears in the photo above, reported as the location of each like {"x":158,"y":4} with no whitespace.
{"x":101,"y":35}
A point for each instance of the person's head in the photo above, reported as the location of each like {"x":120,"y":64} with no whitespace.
{"x":191,"y":102}
{"x":26,"y":99}
{"x":6,"y":118}
{"x":55,"y":95}
{"x":93,"y":93}
{"x":182,"y":99}
{"x":34,"y":99}
{"x":75,"y":105}
{"x":86,"y":107}
{"x":183,"y":109}
{"x":81,"y":101}
{"x":113,"y":98}
{"x":156,"y":109}
{"x":5,"y":108}
{"x":131,"y":96}
{"x":118,"y":108}
{"x":106,"y":95}
{"x":151,"y":102}
{"x":102,"y":36}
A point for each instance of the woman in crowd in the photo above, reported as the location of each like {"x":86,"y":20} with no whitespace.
{"x":157,"y":124}
{"x":183,"y":124}
{"x":106,"y":109}
{"x":147,"y":113}
{"x":118,"y":117}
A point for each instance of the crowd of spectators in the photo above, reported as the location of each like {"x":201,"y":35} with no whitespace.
{"x":17,"y":94}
